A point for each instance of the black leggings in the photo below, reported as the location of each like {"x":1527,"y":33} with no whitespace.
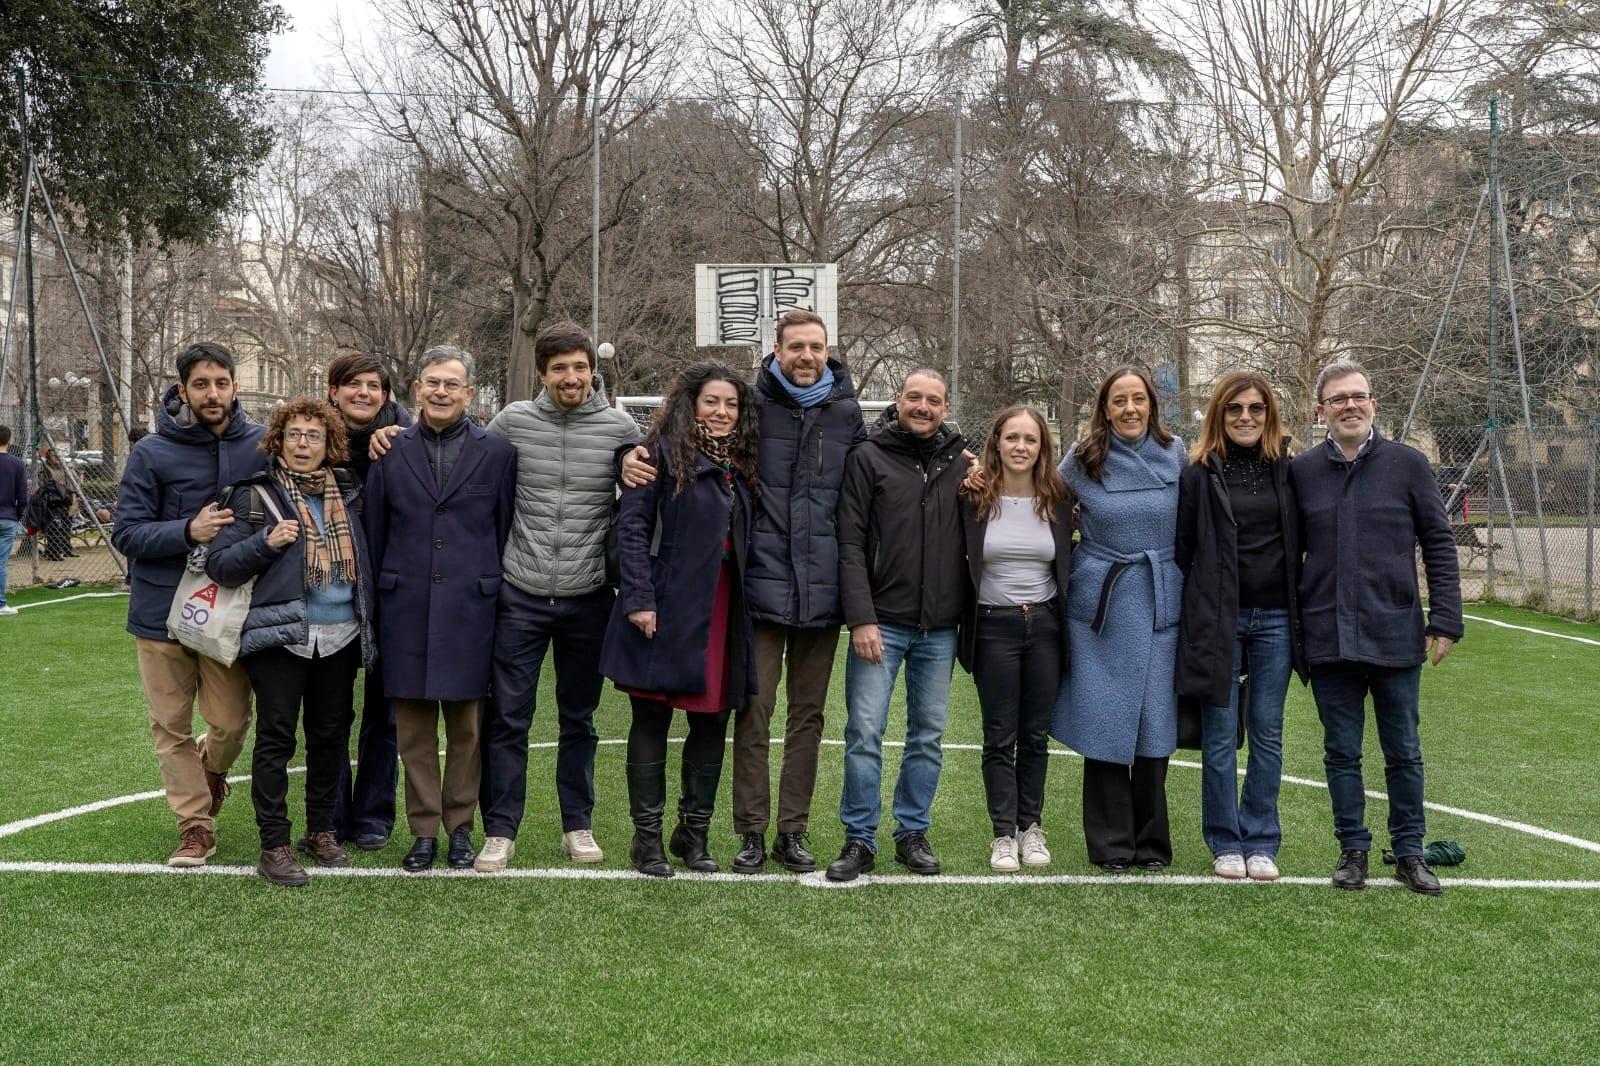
{"x":647,"y":739}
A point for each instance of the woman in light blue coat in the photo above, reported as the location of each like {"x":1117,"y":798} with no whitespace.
{"x":1117,"y":707}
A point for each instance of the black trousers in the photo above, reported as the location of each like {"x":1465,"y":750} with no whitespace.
{"x":365,"y":800}
{"x":284,"y":683}
{"x":573,"y":628}
{"x":1125,"y":811}
{"x":1017,"y":671}
{"x":647,"y":737}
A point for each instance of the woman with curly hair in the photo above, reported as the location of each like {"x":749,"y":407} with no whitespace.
{"x":309,"y":628}
{"x":679,"y":635}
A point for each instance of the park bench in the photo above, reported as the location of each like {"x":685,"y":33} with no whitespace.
{"x":1469,"y":538}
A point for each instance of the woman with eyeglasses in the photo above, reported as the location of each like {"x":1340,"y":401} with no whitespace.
{"x":1237,"y":547}
{"x":297,"y":531}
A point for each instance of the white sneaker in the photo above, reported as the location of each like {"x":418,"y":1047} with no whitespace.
{"x":1262,"y":868}
{"x":495,"y":855}
{"x":579,"y":846}
{"x":1034,"y":852}
{"x":1003,"y":854}
{"x":4,"y":609}
{"x":1230,"y":865}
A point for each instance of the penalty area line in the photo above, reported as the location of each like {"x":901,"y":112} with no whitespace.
{"x":814,"y":880}
{"x":1530,"y":629}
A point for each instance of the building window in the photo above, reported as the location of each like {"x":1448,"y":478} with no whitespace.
{"x":1230,"y":306}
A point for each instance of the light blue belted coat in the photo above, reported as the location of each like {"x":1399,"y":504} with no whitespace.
{"x":1117,"y":699}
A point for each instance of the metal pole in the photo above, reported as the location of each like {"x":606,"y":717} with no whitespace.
{"x":594,"y":216}
{"x":1466,"y":472}
{"x":1488,"y":512}
{"x":125,"y":327}
{"x":1511,"y":516}
{"x":955,"y":271}
{"x":24,"y":220}
{"x":1438,"y":331}
{"x":1527,"y":410}
{"x":1588,"y":522}
{"x":83,"y":301}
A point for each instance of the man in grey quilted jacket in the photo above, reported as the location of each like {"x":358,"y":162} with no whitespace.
{"x":555,"y":591}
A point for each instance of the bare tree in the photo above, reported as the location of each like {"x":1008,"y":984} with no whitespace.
{"x":499,"y":101}
{"x":840,"y":109}
{"x":1310,"y":97}
{"x":276,"y":287}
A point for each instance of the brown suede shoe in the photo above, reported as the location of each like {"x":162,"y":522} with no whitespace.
{"x":279,"y":866}
{"x":324,"y":848}
{"x":217,"y":783}
{"x":199,"y":844}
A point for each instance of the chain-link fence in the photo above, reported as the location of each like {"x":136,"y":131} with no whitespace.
{"x":1522,"y":509}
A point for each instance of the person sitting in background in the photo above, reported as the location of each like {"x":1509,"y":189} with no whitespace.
{"x":309,"y":626}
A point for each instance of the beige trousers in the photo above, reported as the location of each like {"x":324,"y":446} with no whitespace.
{"x":416,"y":729}
{"x":173,"y":678}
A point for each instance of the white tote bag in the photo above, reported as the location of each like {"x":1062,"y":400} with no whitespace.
{"x":207,"y":617}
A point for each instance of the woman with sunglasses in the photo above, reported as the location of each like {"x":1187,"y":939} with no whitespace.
{"x":1238,"y":549}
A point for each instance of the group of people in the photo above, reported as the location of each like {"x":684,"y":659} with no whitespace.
{"x":753,"y":521}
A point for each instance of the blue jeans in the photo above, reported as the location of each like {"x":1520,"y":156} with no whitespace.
{"x":1250,"y":826}
{"x":8,"y":535}
{"x":929,"y":656}
{"x":1341,"y":693}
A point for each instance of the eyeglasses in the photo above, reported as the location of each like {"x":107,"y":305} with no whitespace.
{"x":310,"y":436}
{"x":1234,"y":410}
{"x":1339,"y":403}
{"x":452,"y":386}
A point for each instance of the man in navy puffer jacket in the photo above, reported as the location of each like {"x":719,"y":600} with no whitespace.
{"x":166,"y":506}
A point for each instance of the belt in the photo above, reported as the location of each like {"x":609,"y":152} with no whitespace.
{"x":1120,"y":563}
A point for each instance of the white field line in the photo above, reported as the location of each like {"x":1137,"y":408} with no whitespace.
{"x":13,"y":828}
{"x":68,"y":599}
{"x":1530,"y":629}
{"x":814,"y":880}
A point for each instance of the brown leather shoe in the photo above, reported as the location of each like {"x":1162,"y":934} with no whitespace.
{"x":324,"y":848}
{"x":217,"y":783}
{"x":199,"y":844}
{"x":279,"y":866}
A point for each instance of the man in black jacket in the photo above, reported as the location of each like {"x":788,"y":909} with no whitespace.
{"x":902,"y":574}
{"x":1366,"y":503}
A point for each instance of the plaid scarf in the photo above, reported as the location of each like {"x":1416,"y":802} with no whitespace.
{"x":332,"y":552}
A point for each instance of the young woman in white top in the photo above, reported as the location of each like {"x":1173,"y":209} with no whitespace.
{"x":1018,"y":521}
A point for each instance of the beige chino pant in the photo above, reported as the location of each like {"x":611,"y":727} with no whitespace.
{"x":175,"y":680}
{"x":428,"y":798}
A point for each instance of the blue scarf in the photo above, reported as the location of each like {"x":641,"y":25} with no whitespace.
{"x":810,"y":395}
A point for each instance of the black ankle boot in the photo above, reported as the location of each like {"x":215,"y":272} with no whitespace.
{"x":694,"y":817}
{"x":647,"y":799}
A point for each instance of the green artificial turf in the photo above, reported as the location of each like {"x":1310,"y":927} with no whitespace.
{"x":125,"y":968}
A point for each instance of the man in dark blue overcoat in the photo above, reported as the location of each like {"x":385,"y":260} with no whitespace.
{"x":439,"y":509}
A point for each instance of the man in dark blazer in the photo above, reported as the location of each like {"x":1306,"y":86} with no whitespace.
{"x":439,"y":509}
{"x":1366,"y":503}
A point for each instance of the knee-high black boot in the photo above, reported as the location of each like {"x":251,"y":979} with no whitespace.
{"x":647,"y":800}
{"x":694,"y":816}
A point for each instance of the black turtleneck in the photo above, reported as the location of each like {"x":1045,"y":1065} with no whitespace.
{"x":443,"y":448}
{"x":1253,"y":495}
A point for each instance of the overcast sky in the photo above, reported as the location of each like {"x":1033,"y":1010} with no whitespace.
{"x":301,"y":55}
